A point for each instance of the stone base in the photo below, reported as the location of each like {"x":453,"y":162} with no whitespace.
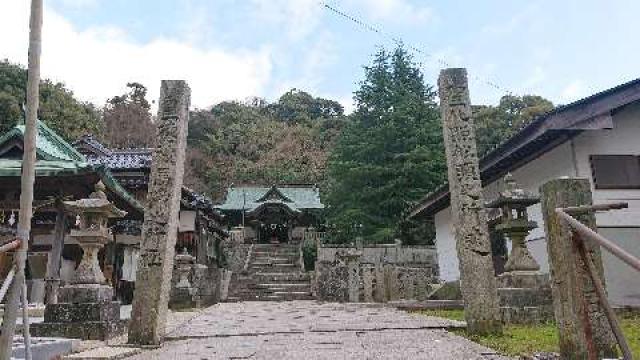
{"x":524,"y":279}
{"x":182,"y":298}
{"x":527,"y":314}
{"x":86,"y":321}
{"x":88,"y":330}
{"x":73,"y":313}
{"x":83,"y":293}
{"x":525,"y":298}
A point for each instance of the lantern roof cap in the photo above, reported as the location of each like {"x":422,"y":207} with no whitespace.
{"x":514,"y":195}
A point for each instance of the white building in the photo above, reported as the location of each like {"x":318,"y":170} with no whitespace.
{"x":597,"y":138}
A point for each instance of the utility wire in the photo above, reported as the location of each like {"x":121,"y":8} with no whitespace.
{"x":420,"y":50}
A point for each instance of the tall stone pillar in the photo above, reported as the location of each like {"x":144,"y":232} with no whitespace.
{"x":582,"y":323}
{"x":477,"y":278}
{"x":155,"y":265}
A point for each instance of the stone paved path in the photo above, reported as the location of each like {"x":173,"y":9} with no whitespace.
{"x":311,"y":330}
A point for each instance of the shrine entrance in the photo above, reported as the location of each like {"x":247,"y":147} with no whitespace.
{"x":273,"y":223}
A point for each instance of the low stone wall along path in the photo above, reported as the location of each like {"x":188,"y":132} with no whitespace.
{"x":313,"y":330}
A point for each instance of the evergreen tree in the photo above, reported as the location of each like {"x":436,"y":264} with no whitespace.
{"x":389,"y":155}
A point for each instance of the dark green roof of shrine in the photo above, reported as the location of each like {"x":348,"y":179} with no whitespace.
{"x":57,"y":158}
{"x":296,"y":197}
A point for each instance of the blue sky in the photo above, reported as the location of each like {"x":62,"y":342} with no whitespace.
{"x":233,"y":49}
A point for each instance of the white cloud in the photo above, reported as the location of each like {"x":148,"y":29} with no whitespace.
{"x":396,"y":10}
{"x":299,"y":17}
{"x":97,"y":63}
{"x":574,"y":91}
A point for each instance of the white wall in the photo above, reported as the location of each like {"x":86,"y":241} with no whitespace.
{"x":569,"y":159}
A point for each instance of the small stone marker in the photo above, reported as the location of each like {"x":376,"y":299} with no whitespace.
{"x":581,"y":321}
{"x":155,"y":265}
{"x":477,"y":276}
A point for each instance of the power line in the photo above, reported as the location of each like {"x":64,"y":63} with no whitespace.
{"x":379,"y":31}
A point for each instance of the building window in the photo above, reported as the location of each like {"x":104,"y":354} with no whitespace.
{"x":616,"y":171}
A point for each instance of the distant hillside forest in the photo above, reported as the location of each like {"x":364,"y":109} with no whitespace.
{"x":371,"y":164}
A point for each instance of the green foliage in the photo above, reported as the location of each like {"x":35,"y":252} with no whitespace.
{"x":256,"y":142}
{"x":128,"y":120}
{"x":495,"y":124}
{"x":309,"y":255}
{"x":525,"y":340}
{"x":389,"y":155}
{"x":448,"y":291}
{"x":59,"y":109}
{"x":452,"y":314}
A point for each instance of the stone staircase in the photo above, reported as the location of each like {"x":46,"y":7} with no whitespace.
{"x":273,"y":274}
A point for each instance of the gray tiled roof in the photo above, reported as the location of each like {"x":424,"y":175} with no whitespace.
{"x":123,"y":159}
{"x":297,"y":197}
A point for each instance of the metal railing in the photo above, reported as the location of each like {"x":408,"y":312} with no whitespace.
{"x":583,"y":233}
{"x":13,"y":245}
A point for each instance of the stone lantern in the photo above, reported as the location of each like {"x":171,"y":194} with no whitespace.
{"x":86,"y":309}
{"x":515,"y":224}
{"x":92,"y":234}
{"x":525,"y":293}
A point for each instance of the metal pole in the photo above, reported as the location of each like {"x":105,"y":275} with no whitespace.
{"x":27,"y":179}
{"x":602,"y":297}
{"x":587,"y":233}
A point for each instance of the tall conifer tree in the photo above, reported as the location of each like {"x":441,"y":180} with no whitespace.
{"x":390,"y":154}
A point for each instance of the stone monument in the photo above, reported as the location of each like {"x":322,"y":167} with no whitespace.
{"x":525,"y":293}
{"x":85,"y":309}
{"x":182,"y":292}
{"x":160,"y":229}
{"x":477,"y":277}
{"x":351,"y":257}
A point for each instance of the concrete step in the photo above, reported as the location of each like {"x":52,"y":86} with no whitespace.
{"x":275,"y":258}
{"x":254,"y":268}
{"x":271,"y":261}
{"x":289,"y":296}
{"x":282,"y":277}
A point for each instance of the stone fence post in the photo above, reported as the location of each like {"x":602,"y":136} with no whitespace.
{"x":581,"y":321}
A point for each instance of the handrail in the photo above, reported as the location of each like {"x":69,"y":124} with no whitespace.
{"x":601,"y":240}
{"x":7,"y":282}
{"x":301,"y":255}
{"x":582,"y":232}
{"x":247,"y":260}
{"x":10,"y":246}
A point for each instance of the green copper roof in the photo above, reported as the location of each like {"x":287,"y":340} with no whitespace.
{"x":296,"y":197}
{"x":56,"y":157}
{"x":49,"y":145}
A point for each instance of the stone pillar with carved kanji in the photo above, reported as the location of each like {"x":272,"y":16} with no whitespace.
{"x":477,"y":277}
{"x":160,"y":229}
{"x":86,"y":309}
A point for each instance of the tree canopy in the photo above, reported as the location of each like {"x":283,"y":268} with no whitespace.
{"x":127,"y":119}
{"x":257,"y":142}
{"x":389,"y":155}
{"x":59,"y":109}
{"x":495,"y":124}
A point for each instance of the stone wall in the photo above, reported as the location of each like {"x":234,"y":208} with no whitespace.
{"x":235,"y":255}
{"x":205,"y":287}
{"x":384,"y":273}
